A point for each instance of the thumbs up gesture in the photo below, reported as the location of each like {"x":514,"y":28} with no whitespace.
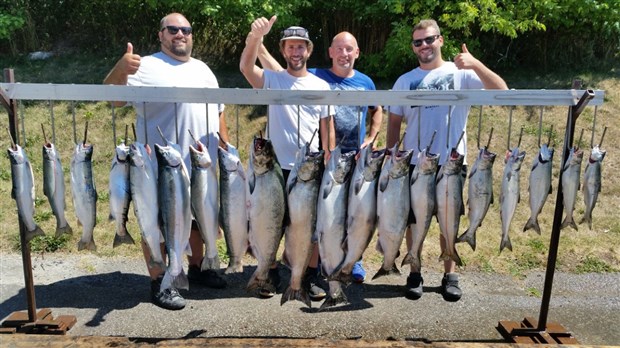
{"x":465,"y":60}
{"x":262,"y":26}
{"x":129,"y":62}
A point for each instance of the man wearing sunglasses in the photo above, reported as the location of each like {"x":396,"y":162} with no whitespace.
{"x":433,"y":73}
{"x":349,"y":121}
{"x":296,"y":48}
{"x":174,"y":66}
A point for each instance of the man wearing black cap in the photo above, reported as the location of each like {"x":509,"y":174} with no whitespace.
{"x":289,"y":126}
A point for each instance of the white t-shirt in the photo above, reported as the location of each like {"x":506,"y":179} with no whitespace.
{"x":160,"y":69}
{"x":283,"y":119}
{"x":431,"y":118}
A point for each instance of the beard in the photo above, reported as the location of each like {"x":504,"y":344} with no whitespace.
{"x":296,"y":66}
{"x":427,"y":57}
{"x":180,"y":50}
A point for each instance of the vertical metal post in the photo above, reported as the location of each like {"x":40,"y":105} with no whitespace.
{"x":573,"y":113}
{"x":9,"y":77}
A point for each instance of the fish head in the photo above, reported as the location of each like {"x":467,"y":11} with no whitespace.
{"x":312,"y":166}
{"x":168,"y":156}
{"x":122,"y":152}
{"x":374,"y":162}
{"x":545,"y":154}
{"x":263,"y":155}
{"x":597,"y":155}
{"x":17,"y":155}
{"x":138,"y":155}
{"x":49,"y":152}
{"x":401,"y":160}
{"x":487,"y":158}
{"x":427,"y":162}
{"x":344,"y":164}
{"x":454,"y":163}
{"x":199,"y":155}
{"x":228,"y":158}
{"x":575,"y":156}
{"x":83,"y":152}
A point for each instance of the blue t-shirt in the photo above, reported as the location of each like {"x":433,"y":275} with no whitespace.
{"x":349,"y":129}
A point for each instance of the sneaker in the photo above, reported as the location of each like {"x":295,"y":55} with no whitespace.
{"x":312,"y":286}
{"x":414,"y":286}
{"x":167,"y":298}
{"x":209,"y":277}
{"x":450,"y":287}
{"x":270,"y":288}
{"x":358,"y":273}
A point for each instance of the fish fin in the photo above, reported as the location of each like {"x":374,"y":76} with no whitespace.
{"x":327,"y":188}
{"x":188,"y":249}
{"x":126,"y":239}
{"x":64,"y":230}
{"x":505,"y":244}
{"x":37,"y":231}
{"x":492,"y":198}
{"x":290,"y":185}
{"x":472,"y":172}
{"x":331,"y":301}
{"x":110,"y":217}
{"x":568,"y":221}
{"x":357,"y":185}
{"x":550,"y":189}
{"x":90,"y":245}
{"x":383,"y":272}
{"x":299,"y":295}
{"x":532,"y":223}
{"x":383,"y":182}
{"x":470,"y":238}
{"x":413,"y":179}
{"x":252,"y":182}
{"x":519,"y":197}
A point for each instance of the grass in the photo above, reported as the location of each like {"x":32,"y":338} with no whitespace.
{"x":585,"y":250}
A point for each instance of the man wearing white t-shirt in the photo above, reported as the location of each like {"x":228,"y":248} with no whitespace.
{"x":173,"y":66}
{"x":434,"y":73}
{"x":285,"y":122}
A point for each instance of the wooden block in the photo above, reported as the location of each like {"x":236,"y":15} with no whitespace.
{"x":68,"y":320}
{"x":7,"y":330}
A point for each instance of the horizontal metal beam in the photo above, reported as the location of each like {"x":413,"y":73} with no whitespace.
{"x":246,"y":96}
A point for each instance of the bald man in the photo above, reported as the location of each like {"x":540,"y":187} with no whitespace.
{"x":349,"y":121}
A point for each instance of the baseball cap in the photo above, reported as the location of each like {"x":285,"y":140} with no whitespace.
{"x":295,"y":33}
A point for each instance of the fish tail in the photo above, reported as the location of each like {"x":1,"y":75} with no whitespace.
{"x":451,"y":255}
{"x":37,"y":231}
{"x":234,"y":266}
{"x":412,"y":260}
{"x":126,"y":239}
{"x":587,"y":217}
{"x":63,"y":230}
{"x":181,"y":281}
{"x":299,"y":295}
{"x":505,"y":244}
{"x":339,"y":276}
{"x":210,"y":263}
{"x":89,"y":245}
{"x":383,"y":272}
{"x":334,"y":300}
{"x":255,"y":283}
{"x":532,"y":223}
{"x":568,"y":221}
{"x":468,"y":237}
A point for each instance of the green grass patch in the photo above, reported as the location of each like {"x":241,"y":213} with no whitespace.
{"x":592,"y":264}
{"x":47,"y":243}
{"x":534,"y":292}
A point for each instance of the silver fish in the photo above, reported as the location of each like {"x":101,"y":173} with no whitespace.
{"x":174,"y":203}
{"x":120,"y":195}
{"x":233,"y":215}
{"x":423,"y":204}
{"x":361,"y":210}
{"x":204,"y":202}
{"x":570,"y":185}
{"x":302,"y":190}
{"x":540,"y":185}
{"x":510,"y":194}
{"x":332,"y":218}
{"x":393,"y":205}
{"x":266,"y":204}
{"x":143,"y":188}
{"x":23,"y":191}
{"x":479,"y":195}
{"x":449,"y":195}
{"x":54,"y":187}
{"x":84,"y":194}
{"x":592,"y":183}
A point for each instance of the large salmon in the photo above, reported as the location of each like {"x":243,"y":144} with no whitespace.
{"x":84,"y":194}
{"x":449,"y":194}
{"x":54,"y":187}
{"x":592,"y":183}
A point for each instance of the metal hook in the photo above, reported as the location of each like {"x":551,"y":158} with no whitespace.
{"x":74,"y":130}
{"x":44,"y":136}
{"x":192,"y":135}
{"x":176,"y":122}
{"x":550,"y":132}
{"x":53,"y":121}
{"x":428,"y":148}
{"x":113,"y":124}
{"x":207,"y":119}
{"x":146,"y":135}
{"x":133,"y":129}
{"x":580,"y":137}
{"x":449,"y":121}
{"x":520,"y":136}
{"x":162,"y":136}
{"x":489,"y":141}
{"x":602,"y":137}
{"x":459,"y":141}
{"x":237,"y":125}
{"x":13,"y":145}
{"x":299,"y":123}
{"x":126,"y":130}
{"x":509,"y":128}
{"x":479,"y":127}
{"x":85,"y":133}
{"x":593,"y":127}
{"x":540,"y":123}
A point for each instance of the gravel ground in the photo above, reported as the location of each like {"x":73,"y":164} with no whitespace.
{"x":110,"y":297}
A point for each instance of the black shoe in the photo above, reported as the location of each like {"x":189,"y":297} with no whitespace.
{"x":270,"y":288}
{"x":167,"y":298}
{"x":450,"y":287}
{"x":311,"y":284}
{"x":414,"y":286}
{"x":209,"y":277}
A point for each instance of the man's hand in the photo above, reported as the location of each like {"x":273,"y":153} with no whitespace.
{"x":262,"y":26}
{"x":129,"y":62}
{"x":465,"y":60}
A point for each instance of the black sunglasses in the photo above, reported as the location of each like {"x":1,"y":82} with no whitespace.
{"x":429,"y":40}
{"x":173,"y":30}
